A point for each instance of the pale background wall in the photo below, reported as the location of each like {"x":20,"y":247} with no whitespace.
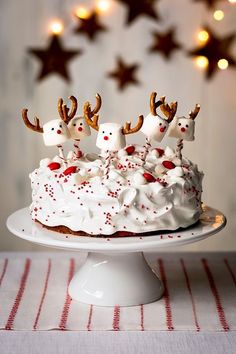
{"x":24,"y":24}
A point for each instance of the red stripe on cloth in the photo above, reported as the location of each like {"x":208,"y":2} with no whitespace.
{"x":169,"y":320}
{"x":229,"y":269}
{"x":116,"y":318}
{"x":3,"y":270}
{"x":68,"y":299}
{"x":43,"y":294}
{"x":141,"y":317}
{"x":90,"y":318}
{"x":19,"y":295}
{"x":216,"y":295}
{"x":190,"y":293}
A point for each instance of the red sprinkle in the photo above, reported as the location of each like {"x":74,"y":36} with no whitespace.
{"x":130,"y":150}
{"x":69,"y":170}
{"x":149,"y":177}
{"x":160,"y":151}
{"x":168,"y":164}
{"x":54,"y":166}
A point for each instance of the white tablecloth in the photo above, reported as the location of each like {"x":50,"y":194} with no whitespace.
{"x":196,"y":315}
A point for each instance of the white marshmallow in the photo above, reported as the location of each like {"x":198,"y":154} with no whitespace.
{"x":138,"y":179}
{"x":169,"y":152}
{"x":44,"y":162}
{"x":110,"y":137}
{"x":78,"y":128}
{"x":154,"y":127}
{"x":159,"y":169}
{"x":177,"y":172}
{"x":55,"y":132}
{"x":182,"y":128}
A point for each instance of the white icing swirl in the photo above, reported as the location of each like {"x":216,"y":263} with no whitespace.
{"x":134,"y":198}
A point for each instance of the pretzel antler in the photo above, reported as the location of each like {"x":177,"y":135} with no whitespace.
{"x":36,"y":126}
{"x":127,"y":128}
{"x":154,"y":105}
{"x":92,"y":120}
{"x":98,"y":104}
{"x":65,"y":113}
{"x":90,"y":115}
{"x":169,"y":110}
{"x":193,"y":114}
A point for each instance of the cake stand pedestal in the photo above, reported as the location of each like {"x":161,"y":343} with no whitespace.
{"x":115,"y":271}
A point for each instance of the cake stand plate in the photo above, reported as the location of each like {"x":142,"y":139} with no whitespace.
{"x":115,"y":271}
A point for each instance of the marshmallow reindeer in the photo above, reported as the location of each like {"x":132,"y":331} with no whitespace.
{"x":78,"y":127}
{"x":183,"y":128}
{"x":55,"y":132}
{"x":111,"y":136}
{"x":154,"y":126}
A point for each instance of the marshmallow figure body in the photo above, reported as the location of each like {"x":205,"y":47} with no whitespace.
{"x":55,"y":132}
{"x":182,"y":128}
{"x":154,"y":127}
{"x":78,"y":128}
{"x":110,"y":137}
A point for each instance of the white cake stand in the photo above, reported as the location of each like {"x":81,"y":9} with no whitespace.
{"x":115,"y":271}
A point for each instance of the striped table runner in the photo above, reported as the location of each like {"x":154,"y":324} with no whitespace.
{"x":200,"y":295}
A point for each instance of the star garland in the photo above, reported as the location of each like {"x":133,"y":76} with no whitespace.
{"x":124,"y":74}
{"x":138,"y":8}
{"x":54,"y":59}
{"x":164,"y":43}
{"x":215,"y":49}
{"x":90,"y":26}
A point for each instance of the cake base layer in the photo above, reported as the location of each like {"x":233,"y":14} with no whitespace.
{"x":67,"y":231}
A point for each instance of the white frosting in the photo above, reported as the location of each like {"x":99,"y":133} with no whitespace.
{"x":55,"y":132}
{"x":127,"y":201}
{"x":182,"y":128}
{"x":154,"y":127}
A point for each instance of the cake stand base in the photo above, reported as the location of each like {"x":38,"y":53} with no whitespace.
{"x":123,"y":279}
{"x":115,"y":271}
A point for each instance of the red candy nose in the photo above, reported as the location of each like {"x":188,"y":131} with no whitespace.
{"x":162,"y":129}
{"x":59,"y":131}
{"x":80,"y":129}
{"x":105,"y":137}
{"x":183,"y":130}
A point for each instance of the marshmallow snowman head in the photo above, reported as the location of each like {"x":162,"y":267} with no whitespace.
{"x":55,"y":132}
{"x":154,"y":127}
{"x":78,"y":128}
{"x":110,"y":137}
{"x":183,"y":127}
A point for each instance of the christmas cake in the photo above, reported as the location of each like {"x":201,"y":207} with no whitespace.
{"x":124,"y":190}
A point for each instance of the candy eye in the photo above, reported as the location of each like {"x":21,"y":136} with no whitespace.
{"x":186,"y":125}
{"x":52,"y":129}
{"x":160,"y":124}
{"x":60,"y":126}
{"x":74,"y":125}
{"x":81,"y":123}
{"x":103,"y":132}
{"x":179,"y":124}
{"x":110,"y":133}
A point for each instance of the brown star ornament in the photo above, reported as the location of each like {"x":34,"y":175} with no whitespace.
{"x":124,"y":74}
{"x":215,"y":49}
{"x":165,"y":43}
{"x":54,"y":59}
{"x":138,"y":8}
{"x":90,"y":26}
{"x":209,"y":3}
